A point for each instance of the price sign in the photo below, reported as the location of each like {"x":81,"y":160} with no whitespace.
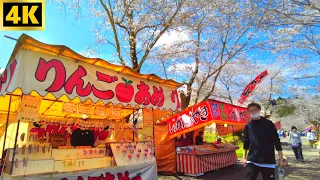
{"x":115,"y":112}
{"x":147,"y":117}
{"x":69,"y":108}
{"x":85,"y":109}
{"x":29,"y":108}
{"x":100,"y":111}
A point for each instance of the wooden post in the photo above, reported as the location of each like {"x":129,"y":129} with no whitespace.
{"x":5,"y":133}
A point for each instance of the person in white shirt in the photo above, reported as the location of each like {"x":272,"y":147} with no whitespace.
{"x":311,"y":138}
{"x":295,"y":143}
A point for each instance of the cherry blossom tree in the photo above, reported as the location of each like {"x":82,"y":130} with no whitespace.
{"x":131,"y":27}
{"x":220,"y":32}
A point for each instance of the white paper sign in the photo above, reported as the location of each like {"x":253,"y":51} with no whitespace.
{"x":29,"y":108}
{"x":85,"y":109}
{"x":69,"y":108}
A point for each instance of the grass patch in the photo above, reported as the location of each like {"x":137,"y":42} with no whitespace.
{"x":240,"y":152}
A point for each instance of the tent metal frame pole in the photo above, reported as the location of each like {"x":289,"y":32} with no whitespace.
{"x":15,"y":147}
{"x":7,"y":122}
{"x":132,"y":123}
{"x":15,"y":143}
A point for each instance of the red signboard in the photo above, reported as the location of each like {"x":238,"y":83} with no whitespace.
{"x":228,"y":113}
{"x":206,"y":113}
{"x":190,"y":119}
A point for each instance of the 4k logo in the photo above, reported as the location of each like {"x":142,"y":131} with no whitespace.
{"x":22,"y":15}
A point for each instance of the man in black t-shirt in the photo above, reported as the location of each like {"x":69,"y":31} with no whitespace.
{"x":260,"y":139}
{"x":199,"y":138}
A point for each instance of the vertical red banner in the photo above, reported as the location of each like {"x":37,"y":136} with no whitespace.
{"x":251,"y":86}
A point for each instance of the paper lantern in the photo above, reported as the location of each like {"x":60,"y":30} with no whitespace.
{"x":131,"y":151}
{"x":145,"y":155}
{"x":134,"y":146}
{"x":129,"y":156}
{"x":151,"y":154}
{"x":138,"y":155}
{"x":118,"y":147}
{"x":146,"y":150}
{"x":139,"y":150}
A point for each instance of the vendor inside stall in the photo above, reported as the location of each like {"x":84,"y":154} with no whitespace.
{"x":82,"y":137}
{"x":199,"y":138}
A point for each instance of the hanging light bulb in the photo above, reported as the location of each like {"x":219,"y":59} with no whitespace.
{"x":84,"y":116}
{"x":225,"y":125}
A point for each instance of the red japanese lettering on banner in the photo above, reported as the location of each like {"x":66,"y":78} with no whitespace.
{"x":109,"y":176}
{"x":175,"y":98}
{"x":186,"y":121}
{"x":108,"y":94}
{"x":228,"y":112}
{"x":60,"y":73}
{"x":4,"y":76}
{"x":124,"y":92}
{"x":75,"y":80}
{"x":143,"y":95}
{"x":157,"y":97}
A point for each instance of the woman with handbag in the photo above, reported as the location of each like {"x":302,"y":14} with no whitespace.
{"x":295,"y":142}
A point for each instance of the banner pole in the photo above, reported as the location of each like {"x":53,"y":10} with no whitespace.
{"x":10,"y":38}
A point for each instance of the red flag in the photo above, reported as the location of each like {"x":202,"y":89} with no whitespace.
{"x":251,"y":86}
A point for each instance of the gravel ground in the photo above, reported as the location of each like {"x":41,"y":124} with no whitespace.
{"x":309,"y":170}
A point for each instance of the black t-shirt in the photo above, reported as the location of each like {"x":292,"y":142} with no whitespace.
{"x":82,"y":138}
{"x":199,"y":140}
{"x":260,"y":137}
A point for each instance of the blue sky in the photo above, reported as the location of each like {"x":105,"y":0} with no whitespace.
{"x":77,"y":35}
{"x":59,"y":30}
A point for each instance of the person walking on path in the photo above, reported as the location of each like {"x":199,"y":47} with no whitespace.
{"x":260,"y":138}
{"x":295,"y":143}
{"x":311,"y":138}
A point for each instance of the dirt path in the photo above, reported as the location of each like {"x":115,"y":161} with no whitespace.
{"x":309,"y":170}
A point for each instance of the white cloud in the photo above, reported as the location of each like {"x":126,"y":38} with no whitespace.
{"x":173,"y":37}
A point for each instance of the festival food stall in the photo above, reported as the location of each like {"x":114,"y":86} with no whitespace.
{"x":194,"y":160}
{"x":64,"y":116}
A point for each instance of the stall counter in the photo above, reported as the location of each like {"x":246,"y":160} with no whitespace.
{"x":198,"y":159}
